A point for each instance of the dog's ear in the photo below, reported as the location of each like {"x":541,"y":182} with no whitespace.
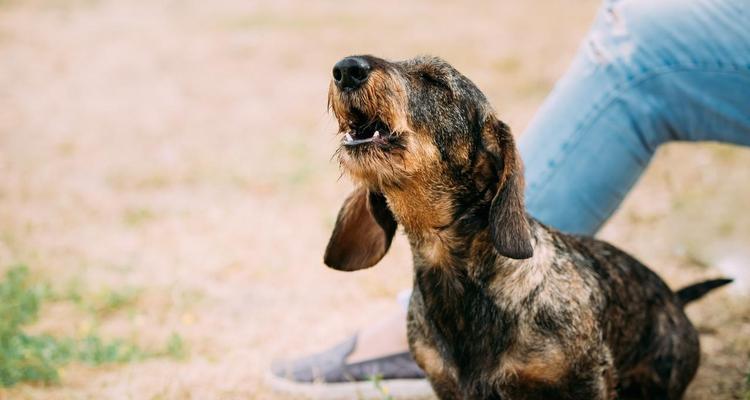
{"x":363,"y":233}
{"x":509,"y":227}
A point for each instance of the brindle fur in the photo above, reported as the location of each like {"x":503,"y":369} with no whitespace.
{"x":503,"y":306}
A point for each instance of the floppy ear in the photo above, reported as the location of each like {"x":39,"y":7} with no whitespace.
{"x":363,"y":233}
{"x":509,"y":227}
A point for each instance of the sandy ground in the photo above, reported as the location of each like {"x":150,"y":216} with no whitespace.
{"x":182,"y":149}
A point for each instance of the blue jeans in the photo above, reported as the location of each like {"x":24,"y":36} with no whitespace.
{"x":649,"y":72}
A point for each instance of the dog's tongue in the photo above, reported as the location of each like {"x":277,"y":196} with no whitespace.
{"x":349,"y":139}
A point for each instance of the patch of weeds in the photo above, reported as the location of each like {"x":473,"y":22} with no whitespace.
{"x":23,"y":357}
{"x":32,"y":358}
{"x":101,"y":303}
{"x":108,"y":301}
{"x":38,"y":358}
{"x":93,"y":350}
{"x":176,"y":347}
{"x":377,"y":380}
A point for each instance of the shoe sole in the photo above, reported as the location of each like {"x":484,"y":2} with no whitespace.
{"x":396,"y":389}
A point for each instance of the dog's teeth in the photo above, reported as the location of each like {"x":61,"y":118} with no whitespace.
{"x":349,"y":137}
{"x":376,"y":134}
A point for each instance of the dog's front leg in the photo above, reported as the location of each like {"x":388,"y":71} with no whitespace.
{"x":597,"y":381}
{"x":441,"y":375}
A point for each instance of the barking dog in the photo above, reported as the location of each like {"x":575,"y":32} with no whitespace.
{"x":503,"y":307}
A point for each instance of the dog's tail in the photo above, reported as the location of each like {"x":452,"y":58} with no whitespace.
{"x":698,"y":290}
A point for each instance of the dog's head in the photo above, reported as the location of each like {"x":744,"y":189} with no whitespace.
{"x":418,"y":132}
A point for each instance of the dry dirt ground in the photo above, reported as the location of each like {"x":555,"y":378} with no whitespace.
{"x":181,"y":149}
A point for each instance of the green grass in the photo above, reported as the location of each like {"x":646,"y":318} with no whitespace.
{"x":176,"y":347}
{"x":39,"y":358}
{"x":377,"y":380}
{"x":101,"y":303}
{"x":23,"y":357}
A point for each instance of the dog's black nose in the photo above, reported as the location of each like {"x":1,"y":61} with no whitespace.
{"x":351,"y":72}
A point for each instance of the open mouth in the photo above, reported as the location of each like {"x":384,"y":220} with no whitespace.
{"x":363,"y":130}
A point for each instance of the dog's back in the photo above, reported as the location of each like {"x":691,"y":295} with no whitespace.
{"x":654,"y":346}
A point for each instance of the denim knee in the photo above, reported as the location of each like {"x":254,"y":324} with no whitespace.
{"x":647,"y":73}
{"x":641,"y":36}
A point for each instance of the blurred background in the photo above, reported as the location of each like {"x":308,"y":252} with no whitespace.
{"x":167,"y":188}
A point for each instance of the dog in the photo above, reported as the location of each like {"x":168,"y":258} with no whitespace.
{"x":503,"y":307}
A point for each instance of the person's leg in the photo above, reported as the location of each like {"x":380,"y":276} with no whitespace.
{"x":387,"y":336}
{"x":646,"y":74}
{"x":649,"y":72}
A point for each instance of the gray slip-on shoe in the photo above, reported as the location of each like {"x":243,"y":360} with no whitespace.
{"x":327,"y":376}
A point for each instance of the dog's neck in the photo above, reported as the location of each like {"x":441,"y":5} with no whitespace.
{"x":459,"y":274}
{"x":441,"y":235}
{"x":421,"y":212}
{"x":467,"y":287}
{"x":459,"y":244}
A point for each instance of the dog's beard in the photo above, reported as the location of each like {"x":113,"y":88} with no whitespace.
{"x":379,"y":149}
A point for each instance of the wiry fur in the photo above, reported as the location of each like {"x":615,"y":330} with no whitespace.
{"x":503,"y":307}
